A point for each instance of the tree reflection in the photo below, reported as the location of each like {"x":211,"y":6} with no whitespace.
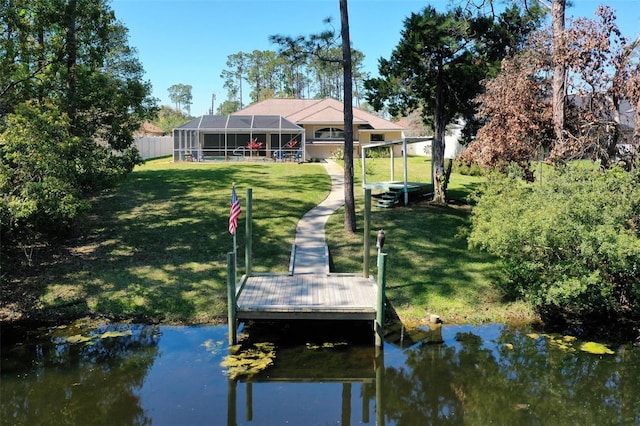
{"x":91,"y":382}
{"x":516,"y":379}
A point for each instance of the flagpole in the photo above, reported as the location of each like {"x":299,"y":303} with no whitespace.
{"x":235,"y":246}
{"x":233,"y":225}
{"x":235,"y":256}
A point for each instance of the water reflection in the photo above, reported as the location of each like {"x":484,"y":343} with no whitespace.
{"x":333,"y":368}
{"x":322,"y":374}
{"x":500,"y":375}
{"x":47,"y":380}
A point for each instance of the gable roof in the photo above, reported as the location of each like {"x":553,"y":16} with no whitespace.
{"x":317,"y":111}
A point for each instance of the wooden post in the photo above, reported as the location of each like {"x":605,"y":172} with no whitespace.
{"x":249,"y":401}
{"x":379,"y":363}
{"x":231,"y":403}
{"x":382,"y":281}
{"x":367,"y":233}
{"x":231,"y":298}
{"x":405,"y":177}
{"x":346,"y":404}
{"x":366,"y":391}
{"x":393,"y":166}
{"x":248,"y":246}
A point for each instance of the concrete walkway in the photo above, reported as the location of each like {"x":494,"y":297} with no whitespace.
{"x":311,"y":254}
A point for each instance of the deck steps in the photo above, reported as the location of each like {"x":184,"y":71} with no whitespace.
{"x":389,"y":199}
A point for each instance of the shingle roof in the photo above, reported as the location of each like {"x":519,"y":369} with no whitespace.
{"x":148,"y":128}
{"x":317,"y":111}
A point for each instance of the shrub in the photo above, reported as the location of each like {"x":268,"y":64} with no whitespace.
{"x":47,"y":173}
{"x":570,"y":243}
{"x":378,"y":152}
{"x":469,"y":169}
{"x":368,"y":166}
{"x":38,"y":177}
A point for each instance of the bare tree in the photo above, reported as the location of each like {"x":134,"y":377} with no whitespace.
{"x":559,"y":88}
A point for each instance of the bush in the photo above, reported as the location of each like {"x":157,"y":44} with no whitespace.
{"x":570,"y":243}
{"x":46,"y":174}
{"x":469,"y":169}
{"x":378,"y":152}
{"x":40,"y":194}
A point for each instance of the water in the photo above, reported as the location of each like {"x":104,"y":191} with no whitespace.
{"x":147,"y":374}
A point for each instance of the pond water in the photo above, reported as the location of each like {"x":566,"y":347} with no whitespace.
{"x":113,"y":374}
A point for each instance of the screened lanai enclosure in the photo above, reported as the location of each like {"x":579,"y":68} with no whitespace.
{"x":239,"y":137}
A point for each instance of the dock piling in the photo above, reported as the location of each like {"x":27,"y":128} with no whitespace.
{"x":248,"y":247}
{"x":367,"y":232}
{"x":382,"y":280}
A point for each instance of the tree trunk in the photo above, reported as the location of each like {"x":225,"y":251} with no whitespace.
{"x":437,"y":161}
{"x":437,"y":149}
{"x":559,"y":71}
{"x":349,"y":202}
{"x":635,"y":140}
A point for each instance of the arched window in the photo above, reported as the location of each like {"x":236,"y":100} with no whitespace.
{"x":329,"y":133}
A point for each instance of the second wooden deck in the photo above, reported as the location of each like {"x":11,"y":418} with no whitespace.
{"x":312,"y":296}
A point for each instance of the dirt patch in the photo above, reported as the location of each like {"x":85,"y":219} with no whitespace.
{"x":22,"y":288}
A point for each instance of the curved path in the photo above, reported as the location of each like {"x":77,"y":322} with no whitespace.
{"x":311,"y":255}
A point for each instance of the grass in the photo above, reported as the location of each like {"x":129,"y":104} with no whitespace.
{"x":155,"y":248}
{"x":430,"y":268}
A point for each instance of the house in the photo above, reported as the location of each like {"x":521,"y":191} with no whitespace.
{"x":452,"y":145}
{"x":323,"y":123}
{"x":302,"y":129}
{"x":149,"y":129}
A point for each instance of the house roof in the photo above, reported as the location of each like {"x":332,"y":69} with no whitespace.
{"x":150,"y":129}
{"x":240,"y":123}
{"x":317,"y":111}
{"x":625,"y":110}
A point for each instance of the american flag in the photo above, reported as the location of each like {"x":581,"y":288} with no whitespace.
{"x":235,"y":212}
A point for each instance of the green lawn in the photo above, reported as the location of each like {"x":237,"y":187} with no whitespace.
{"x":155,"y":248}
{"x":430,"y":268}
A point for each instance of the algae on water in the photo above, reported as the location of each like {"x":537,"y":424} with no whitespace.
{"x":250,"y":361}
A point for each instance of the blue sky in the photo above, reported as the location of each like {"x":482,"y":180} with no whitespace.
{"x":188,"y":41}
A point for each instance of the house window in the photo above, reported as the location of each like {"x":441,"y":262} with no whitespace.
{"x":377,"y":137}
{"x":329,"y":133}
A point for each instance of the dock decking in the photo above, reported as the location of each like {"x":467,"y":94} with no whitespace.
{"x":309,"y":291}
{"x":284,"y":296}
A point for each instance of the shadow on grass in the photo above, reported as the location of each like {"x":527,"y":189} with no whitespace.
{"x":429,"y":264}
{"x":155,"y":248}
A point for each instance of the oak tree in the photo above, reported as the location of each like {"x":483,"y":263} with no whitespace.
{"x":71,"y":96}
{"x":518,"y":111}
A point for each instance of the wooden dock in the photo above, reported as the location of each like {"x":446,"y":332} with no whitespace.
{"x":311,"y":297}
{"x":308,"y":291}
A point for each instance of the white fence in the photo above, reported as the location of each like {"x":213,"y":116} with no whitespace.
{"x":154,"y":146}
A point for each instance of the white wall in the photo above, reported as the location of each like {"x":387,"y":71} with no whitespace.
{"x":154,"y":146}
{"x":452,"y":147}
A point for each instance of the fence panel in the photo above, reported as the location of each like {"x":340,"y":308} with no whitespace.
{"x":154,"y":146}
